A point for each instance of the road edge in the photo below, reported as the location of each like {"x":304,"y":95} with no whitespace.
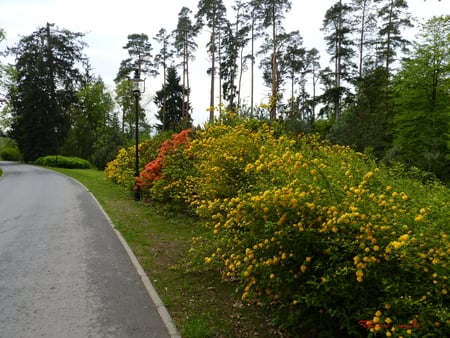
{"x":153,"y":294}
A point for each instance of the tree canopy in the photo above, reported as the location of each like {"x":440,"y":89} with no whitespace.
{"x":50,"y":67}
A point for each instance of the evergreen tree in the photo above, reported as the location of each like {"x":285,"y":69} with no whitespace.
{"x":185,"y":47}
{"x":46,"y":86}
{"x":365,"y":19}
{"x":312,"y":72}
{"x":140,"y":57}
{"x":340,"y":46}
{"x":162,"y":60}
{"x":392,"y":16}
{"x":270,"y":14}
{"x":364,"y":123}
{"x":293,"y":64}
{"x":174,"y":120}
{"x":229,"y":67}
{"x":242,"y":32}
{"x":214,"y":12}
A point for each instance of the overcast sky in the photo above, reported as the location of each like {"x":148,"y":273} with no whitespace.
{"x":107,"y":23}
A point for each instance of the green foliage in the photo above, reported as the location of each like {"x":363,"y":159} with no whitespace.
{"x":197,"y":328}
{"x":90,"y":115}
{"x":46,"y":80}
{"x":9,"y":150}
{"x":173,"y":113}
{"x":10,"y":154}
{"x":63,"y":162}
{"x":421,"y":102}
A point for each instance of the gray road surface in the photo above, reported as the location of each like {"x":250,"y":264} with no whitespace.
{"x":63,"y":270}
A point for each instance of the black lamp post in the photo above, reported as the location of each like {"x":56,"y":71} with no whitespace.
{"x":138,"y":89}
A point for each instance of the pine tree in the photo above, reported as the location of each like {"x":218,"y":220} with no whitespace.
{"x":214,"y":12}
{"x":174,"y":119}
{"x":340,"y":46}
{"x":185,"y":47}
{"x":162,"y":59}
{"x":270,"y":13}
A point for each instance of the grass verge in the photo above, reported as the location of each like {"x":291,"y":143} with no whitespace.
{"x":200,"y":303}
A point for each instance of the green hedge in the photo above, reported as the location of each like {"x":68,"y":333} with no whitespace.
{"x":63,"y":162}
{"x":10,"y":154}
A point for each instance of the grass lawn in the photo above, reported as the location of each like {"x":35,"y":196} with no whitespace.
{"x":200,"y":303}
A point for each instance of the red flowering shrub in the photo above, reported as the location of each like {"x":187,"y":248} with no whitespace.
{"x":167,"y":171}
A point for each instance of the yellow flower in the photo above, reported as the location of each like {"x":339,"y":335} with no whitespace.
{"x":368,"y":175}
{"x":396,"y":245}
{"x":404,"y":238}
{"x":303,"y":268}
{"x":359,"y":275}
{"x":272,"y":276}
{"x":419,"y":218}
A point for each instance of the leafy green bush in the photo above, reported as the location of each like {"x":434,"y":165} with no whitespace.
{"x":63,"y":162}
{"x":10,"y":154}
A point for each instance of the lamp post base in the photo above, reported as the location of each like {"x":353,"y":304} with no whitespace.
{"x":137,"y":193}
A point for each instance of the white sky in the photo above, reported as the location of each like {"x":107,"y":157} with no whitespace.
{"x":107,"y":23}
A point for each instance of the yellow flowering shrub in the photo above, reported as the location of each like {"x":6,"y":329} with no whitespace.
{"x":332,"y":244}
{"x":121,"y":169}
{"x":336,"y":244}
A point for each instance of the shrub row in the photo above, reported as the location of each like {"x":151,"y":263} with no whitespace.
{"x":10,"y":154}
{"x":331,"y":243}
{"x":63,"y":162}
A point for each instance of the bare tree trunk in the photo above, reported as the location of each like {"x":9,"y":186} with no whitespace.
{"x":213,"y":70}
{"x":274,"y":98}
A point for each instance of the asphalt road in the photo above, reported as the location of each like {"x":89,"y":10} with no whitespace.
{"x":63,"y":270}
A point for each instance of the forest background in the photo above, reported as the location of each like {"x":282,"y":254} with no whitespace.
{"x":365,"y":96}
